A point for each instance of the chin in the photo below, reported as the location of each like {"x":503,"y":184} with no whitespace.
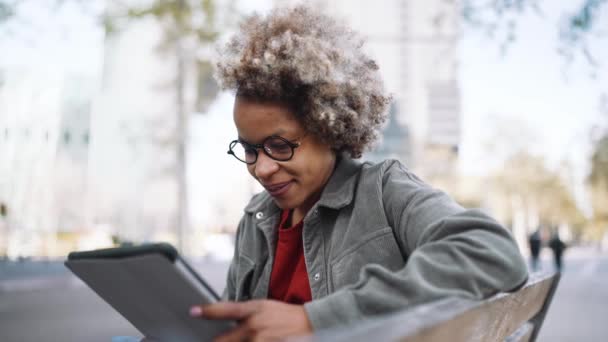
{"x":284,"y":204}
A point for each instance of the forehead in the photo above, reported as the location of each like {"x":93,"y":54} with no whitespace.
{"x":256,"y":120}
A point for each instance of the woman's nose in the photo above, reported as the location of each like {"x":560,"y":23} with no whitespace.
{"x":265,"y":166}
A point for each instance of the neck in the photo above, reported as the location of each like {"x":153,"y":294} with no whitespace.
{"x":300,"y":212}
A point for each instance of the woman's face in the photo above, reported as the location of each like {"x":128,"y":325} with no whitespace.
{"x":296,"y":183}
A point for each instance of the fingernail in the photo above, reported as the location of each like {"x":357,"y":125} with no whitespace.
{"x":196,"y":311}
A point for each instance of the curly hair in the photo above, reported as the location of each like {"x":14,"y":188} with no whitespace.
{"x":316,"y":65}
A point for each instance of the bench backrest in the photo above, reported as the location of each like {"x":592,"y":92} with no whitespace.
{"x":515,"y":316}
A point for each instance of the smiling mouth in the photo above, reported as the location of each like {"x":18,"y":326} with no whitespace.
{"x":278,"y":189}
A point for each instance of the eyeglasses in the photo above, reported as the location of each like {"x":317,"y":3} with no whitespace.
{"x":276,"y":147}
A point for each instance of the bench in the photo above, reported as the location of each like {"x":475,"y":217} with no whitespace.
{"x":516,"y":316}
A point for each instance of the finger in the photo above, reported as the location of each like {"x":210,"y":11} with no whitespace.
{"x":266,"y":338}
{"x":238,"y":334}
{"x":225,"y":310}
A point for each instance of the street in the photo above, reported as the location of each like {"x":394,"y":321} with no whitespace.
{"x":57,"y":307}
{"x":579,"y":310}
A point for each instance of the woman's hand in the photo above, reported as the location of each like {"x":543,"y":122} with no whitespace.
{"x":258,"y":320}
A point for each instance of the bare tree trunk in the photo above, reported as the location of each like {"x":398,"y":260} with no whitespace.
{"x":181,"y":141}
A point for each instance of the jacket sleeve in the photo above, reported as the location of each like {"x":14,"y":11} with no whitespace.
{"x":450,"y":251}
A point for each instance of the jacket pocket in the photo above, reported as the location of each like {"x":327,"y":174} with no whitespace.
{"x":244,"y":275}
{"x":378,"y":247}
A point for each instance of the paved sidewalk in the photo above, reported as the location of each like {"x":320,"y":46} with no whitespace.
{"x":579,"y":309}
{"x":56,"y":302}
{"x":29,"y":276}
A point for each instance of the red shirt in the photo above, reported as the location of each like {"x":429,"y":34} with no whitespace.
{"x":289,"y":279}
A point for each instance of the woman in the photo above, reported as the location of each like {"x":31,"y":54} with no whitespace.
{"x":330,"y":240}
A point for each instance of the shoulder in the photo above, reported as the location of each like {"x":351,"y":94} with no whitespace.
{"x":391,"y":173}
{"x":403,"y":192}
{"x":395,"y":186}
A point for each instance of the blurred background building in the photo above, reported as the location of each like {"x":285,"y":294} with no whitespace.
{"x":416,"y":46}
{"x":134,"y":150}
{"x":45,"y":133}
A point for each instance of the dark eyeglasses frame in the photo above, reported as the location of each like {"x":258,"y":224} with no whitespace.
{"x":256,"y":147}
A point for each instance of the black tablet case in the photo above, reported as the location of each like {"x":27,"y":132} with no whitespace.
{"x":152,"y":287}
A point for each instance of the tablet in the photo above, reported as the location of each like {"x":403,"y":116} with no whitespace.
{"x":152,"y":287}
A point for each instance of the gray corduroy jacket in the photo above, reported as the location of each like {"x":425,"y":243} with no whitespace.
{"x":378,"y":240}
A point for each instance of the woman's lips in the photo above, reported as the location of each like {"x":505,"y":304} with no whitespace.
{"x":278,"y":189}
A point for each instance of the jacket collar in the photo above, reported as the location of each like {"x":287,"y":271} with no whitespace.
{"x":338,"y":191}
{"x":340,"y":188}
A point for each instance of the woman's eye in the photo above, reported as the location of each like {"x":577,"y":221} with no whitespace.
{"x":279,"y":146}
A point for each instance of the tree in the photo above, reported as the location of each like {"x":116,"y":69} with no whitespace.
{"x":526,"y":176}
{"x":525,"y":186}
{"x":521,"y":190}
{"x":6,"y":11}
{"x":598,"y":184}
{"x":499,"y":17}
{"x":189,"y":27}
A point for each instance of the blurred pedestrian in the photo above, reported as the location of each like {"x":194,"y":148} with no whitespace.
{"x":558,"y":247}
{"x":534,"y":242}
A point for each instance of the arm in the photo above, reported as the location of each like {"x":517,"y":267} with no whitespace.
{"x":451,"y":252}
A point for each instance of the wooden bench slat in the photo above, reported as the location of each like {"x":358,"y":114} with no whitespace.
{"x":457,"y":319}
{"x":523,"y":334}
{"x":500,"y":316}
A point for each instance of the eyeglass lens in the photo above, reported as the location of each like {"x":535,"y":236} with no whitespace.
{"x":275,"y":147}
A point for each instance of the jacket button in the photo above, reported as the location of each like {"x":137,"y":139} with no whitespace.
{"x":259,"y":215}
{"x":317,"y":276}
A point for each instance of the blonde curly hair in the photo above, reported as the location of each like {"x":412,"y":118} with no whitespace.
{"x":316,"y":65}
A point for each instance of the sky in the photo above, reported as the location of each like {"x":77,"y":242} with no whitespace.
{"x":527,"y":88}
{"x":532,"y":84}
{"x":64,"y":40}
